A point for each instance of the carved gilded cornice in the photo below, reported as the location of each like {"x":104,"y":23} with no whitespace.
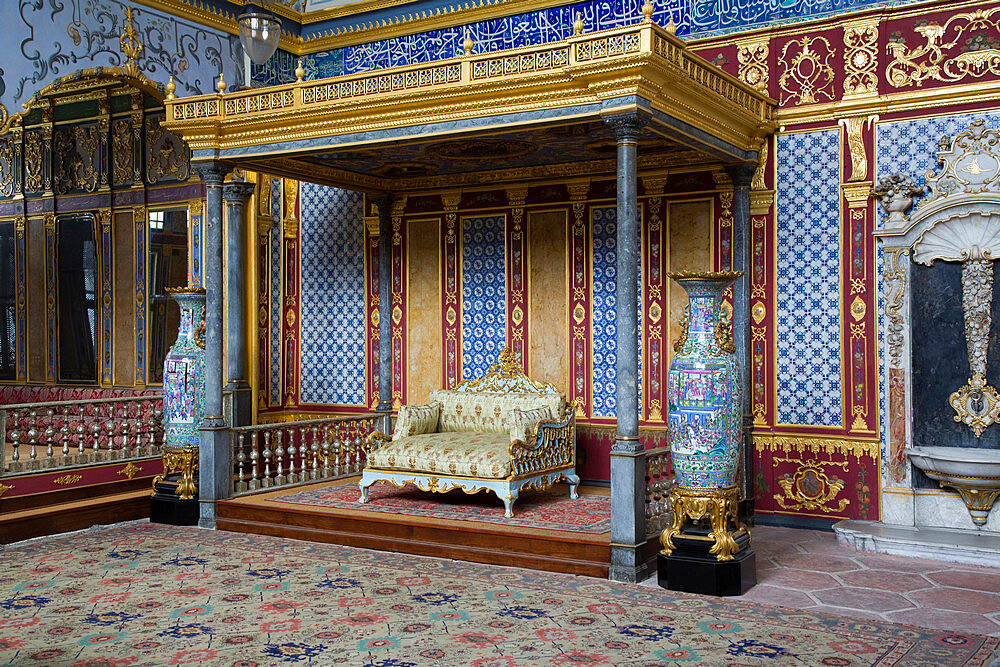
{"x":818,"y":443}
{"x":583,"y":71}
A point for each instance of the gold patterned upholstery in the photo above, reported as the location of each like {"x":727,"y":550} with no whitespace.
{"x":501,"y":432}
{"x":489,"y":412}
{"x":416,"y":419}
{"x":465,"y":454}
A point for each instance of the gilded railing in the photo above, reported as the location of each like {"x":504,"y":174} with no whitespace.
{"x":572,"y":59}
{"x":61,"y":434}
{"x":659,"y":481}
{"x":272,"y":455}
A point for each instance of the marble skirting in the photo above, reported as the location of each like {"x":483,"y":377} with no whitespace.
{"x":944,"y":544}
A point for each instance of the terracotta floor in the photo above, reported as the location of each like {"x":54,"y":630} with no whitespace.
{"x":810,"y":570}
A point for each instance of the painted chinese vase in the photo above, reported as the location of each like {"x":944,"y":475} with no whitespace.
{"x":184,"y":371}
{"x":703,"y":387}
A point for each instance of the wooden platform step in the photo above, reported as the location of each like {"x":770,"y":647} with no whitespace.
{"x":480,"y":542}
{"x":75,"y":515}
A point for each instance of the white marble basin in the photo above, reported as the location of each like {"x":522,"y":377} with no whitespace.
{"x":977,"y":467}
{"x":973,"y":473}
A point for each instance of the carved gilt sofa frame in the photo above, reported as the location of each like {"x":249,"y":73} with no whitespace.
{"x":544,"y":457}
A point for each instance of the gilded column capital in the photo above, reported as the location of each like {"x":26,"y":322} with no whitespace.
{"x":451,"y":200}
{"x":517,"y":196}
{"x":857,"y":194}
{"x":291,"y":228}
{"x":238,"y":192}
{"x":578,"y":191}
{"x":654,"y":184}
{"x":761,"y":201}
{"x":398,"y":206}
{"x":854,"y":127}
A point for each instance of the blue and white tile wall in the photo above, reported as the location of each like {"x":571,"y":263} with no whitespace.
{"x":274,"y":275}
{"x":332,"y":316}
{"x":807,"y":295}
{"x":484,"y":294}
{"x":693,"y":17}
{"x":604,"y":318}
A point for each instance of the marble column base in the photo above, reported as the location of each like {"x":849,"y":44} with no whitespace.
{"x":237,"y":403}
{"x":950,"y":545}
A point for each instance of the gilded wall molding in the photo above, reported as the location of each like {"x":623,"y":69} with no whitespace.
{"x":815,"y":444}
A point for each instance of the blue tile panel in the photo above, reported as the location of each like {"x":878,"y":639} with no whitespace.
{"x":807,"y":294}
{"x":694,"y":17}
{"x":332,"y":320}
{"x":275,"y":282}
{"x":604,"y":322}
{"x":484,"y":293}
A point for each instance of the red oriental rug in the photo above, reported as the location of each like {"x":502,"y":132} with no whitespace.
{"x":147,"y":594}
{"x":553,"y":510}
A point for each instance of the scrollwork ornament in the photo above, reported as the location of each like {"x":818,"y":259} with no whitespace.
{"x":977,"y":54}
{"x":807,"y":76}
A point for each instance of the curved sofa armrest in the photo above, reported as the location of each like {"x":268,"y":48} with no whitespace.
{"x":375,"y":440}
{"x":552,"y":444}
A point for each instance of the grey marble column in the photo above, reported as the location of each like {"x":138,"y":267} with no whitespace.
{"x":384,"y":407}
{"x":214,"y":476}
{"x":628,"y":463}
{"x":741,"y":176}
{"x":240,"y":403}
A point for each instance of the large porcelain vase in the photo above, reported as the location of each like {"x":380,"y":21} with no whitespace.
{"x":704,"y":390}
{"x":184,"y":371}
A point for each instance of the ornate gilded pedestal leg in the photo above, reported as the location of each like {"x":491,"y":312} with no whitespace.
{"x":718,"y":506}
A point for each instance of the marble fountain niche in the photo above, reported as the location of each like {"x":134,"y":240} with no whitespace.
{"x":941,"y":444}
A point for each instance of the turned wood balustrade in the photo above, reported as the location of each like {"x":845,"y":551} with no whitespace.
{"x":61,"y":434}
{"x":273,"y":455}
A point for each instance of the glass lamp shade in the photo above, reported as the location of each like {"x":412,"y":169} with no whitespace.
{"x":259,"y":34}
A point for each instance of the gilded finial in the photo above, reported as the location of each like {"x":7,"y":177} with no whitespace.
{"x":171,"y":87}
{"x":467,"y":43}
{"x":221,"y":85}
{"x":647,"y":10}
{"x":671,"y":27}
{"x":131,"y":45}
{"x":578,"y":24}
{"x":300,"y":72}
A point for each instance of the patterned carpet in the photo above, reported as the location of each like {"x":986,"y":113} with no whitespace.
{"x":553,"y":509}
{"x":146,"y":594}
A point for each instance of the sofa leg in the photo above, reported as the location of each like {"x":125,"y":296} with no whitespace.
{"x":508,"y":504}
{"x":364,"y":494}
{"x":574,"y":483}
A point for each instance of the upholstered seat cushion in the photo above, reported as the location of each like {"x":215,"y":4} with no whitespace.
{"x":463,"y":411}
{"x":466,"y":454}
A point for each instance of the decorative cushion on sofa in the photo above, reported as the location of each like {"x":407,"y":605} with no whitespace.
{"x":466,"y":454}
{"x":416,"y":419}
{"x":524,"y":421}
{"x":463,"y":411}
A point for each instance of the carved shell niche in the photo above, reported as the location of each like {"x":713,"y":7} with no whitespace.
{"x":965,"y":234}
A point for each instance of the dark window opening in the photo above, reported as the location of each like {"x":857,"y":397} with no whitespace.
{"x":76,"y":278}
{"x":168,"y":260}
{"x":8,"y":355}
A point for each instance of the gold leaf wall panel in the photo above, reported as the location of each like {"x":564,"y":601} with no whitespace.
{"x":548,"y":317}
{"x":424,"y":345}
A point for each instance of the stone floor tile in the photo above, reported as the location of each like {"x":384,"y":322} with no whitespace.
{"x":901,"y":563}
{"x":863,"y":599}
{"x":848,"y":612}
{"x":800,"y":580}
{"x":816,"y":562}
{"x":956,"y":621}
{"x":885,"y":580}
{"x":957,"y":599}
{"x":777,"y":595}
{"x":981,"y":579}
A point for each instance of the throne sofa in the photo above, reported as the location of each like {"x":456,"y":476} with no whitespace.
{"x":500,"y":433}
